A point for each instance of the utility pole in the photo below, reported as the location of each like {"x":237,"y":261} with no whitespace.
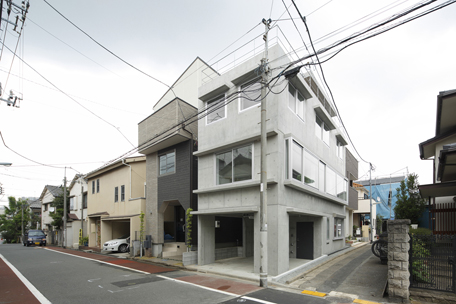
{"x":64,"y":210}
{"x":371,"y":233}
{"x":264,"y":176}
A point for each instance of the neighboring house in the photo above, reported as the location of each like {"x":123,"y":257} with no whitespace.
{"x":351,"y":166}
{"x":116,"y":198}
{"x":35,"y":207}
{"x":442,"y":149}
{"x":361,"y":216}
{"x":171,"y":166}
{"x":77,"y":211}
{"x":307,"y":189}
{"x":48,"y":195}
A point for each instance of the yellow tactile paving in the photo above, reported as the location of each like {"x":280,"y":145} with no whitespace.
{"x":364,"y":302}
{"x":314,"y":293}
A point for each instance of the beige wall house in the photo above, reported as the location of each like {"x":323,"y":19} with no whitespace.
{"x":116,"y":198}
{"x":48,"y":195}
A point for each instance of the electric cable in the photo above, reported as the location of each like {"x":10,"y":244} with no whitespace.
{"x":106,"y":49}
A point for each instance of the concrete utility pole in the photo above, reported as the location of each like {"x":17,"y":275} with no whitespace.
{"x":371,"y":233}
{"x":264,"y":176}
{"x":64,"y":210}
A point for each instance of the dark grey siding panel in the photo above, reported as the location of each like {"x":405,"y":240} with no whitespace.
{"x":177,"y":186}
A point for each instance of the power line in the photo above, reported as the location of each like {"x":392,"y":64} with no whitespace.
{"x":67,"y":95}
{"x":106,"y":49}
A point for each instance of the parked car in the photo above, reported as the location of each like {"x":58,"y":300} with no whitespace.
{"x":121,"y":244}
{"x":34,"y":237}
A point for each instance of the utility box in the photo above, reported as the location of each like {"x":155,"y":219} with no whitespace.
{"x":148,"y":242}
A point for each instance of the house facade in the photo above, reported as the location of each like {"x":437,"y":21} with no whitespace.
{"x":34,"y":205}
{"x":351,"y":169}
{"x":47,"y":196}
{"x":77,"y":211}
{"x":442,"y":150}
{"x":168,"y":138}
{"x":306,"y":168}
{"x":115,"y":200}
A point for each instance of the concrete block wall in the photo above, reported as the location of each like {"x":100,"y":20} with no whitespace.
{"x":398,"y":261}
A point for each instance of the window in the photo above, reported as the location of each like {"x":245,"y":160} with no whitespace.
{"x":341,"y":188}
{"x":330,"y":181}
{"x":327,"y":228}
{"x":287,"y":159}
{"x":297,"y":161}
{"x":340,"y":150}
{"x":122,"y":193}
{"x":72,"y":203}
{"x":321,"y":177}
{"x":116,"y":194}
{"x":338,"y":224}
{"x":234,"y":165}
{"x":321,"y":130}
{"x":310,"y":170}
{"x":168,"y":163}
{"x":296,"y":101}
{"x":215,"y":109}
{"x":84,"y":200}
{"x":98,"y":185}
{"x":46,"y":207}
{"x":93,"y":187}
{"x":250,"y":94}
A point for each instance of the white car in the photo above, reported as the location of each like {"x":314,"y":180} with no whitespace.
{"x":121,"y":244}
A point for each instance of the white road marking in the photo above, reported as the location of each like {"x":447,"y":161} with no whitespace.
{"x":100,"y":286}
{"x":38,"y":295}
{"x":91,"y":280}
{"x":77,"y":256}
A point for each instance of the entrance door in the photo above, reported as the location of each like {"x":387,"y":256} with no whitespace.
{"x":304,"y":240}
{"x":179,"y":221}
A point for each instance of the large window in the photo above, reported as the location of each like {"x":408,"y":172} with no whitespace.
{"x":296,"y":101}
{"x":234,"y":165}
{"x":72,"y":206}
{"x":297,"y":161}
{"x":341,"y":188}
{"x":321,"y":176}
{"x":116,"y":194}
{"x":250,"y":94}
{"x":167,"y":163}
{"x":215,"y":109}
{"x":321,"y":130}
{"x":330,"y":181}
{"x":310,"y":169}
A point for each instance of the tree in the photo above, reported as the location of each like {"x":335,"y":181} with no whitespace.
{"x":11,"y":222}
{"x":409,"y":203}
{"x":57,"y":215}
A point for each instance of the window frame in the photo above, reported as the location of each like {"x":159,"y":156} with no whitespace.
{"x":296,"y":108}
{"x":249,"y":83}
{"x":224,"y":108}
{"x":340,"y":149}
{"x":338,"y":233}
{"x":116,"y":194}
{"x":122,"y":193}
{"x":93,"y":187}
{"x":84,"y":200}
{"x":166,"y":155}
{"x":98,"y":185}
{"x":217,"y":177}
{"x":324,"y":134}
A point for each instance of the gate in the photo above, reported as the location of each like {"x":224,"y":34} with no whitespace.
{"x":432,"y":262}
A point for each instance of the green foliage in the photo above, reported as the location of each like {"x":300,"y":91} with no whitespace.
{"x":189,"y":217}
{"x":378,"y":223}
{"x":57,"y":215}
{"x":84,"y":240}
{"x":409,"y":203}
{"x":11,"y":221}
{"x":421,"y":231}
{"x":141,"y":227}
{"x":420,"y":269}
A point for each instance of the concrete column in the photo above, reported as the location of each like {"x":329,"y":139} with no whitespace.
{"x":278,"y":239}
{"x":206,"y":239}
{"x":256,"y":242}
{"x":398,"y":261}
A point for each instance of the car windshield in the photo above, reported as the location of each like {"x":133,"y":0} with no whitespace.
{"x":35,"y":233}
{"x":124,"y":236}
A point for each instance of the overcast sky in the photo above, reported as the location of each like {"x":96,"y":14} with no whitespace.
{"x":385,"y":88}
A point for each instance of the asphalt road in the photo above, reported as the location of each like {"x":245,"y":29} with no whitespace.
{"x":358,"y":272}
{"x":68,"y":276}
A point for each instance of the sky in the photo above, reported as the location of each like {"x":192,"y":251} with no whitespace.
{"x":81,"y":105}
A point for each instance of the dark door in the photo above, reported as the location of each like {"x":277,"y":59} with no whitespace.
{"x":304,"y":240}
{"x":179,"y":220}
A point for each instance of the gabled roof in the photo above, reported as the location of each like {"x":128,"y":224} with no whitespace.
{"x":115,"y":165}
{"x":54,"y":190}
{"x":36,"y":203}
{"x":446,"y":107}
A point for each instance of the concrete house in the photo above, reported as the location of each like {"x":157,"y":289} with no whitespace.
{"x":116,"y":198}
{"x":306,"y":168}
{"x":442,"y":150}
{"x":77,"y":211}
{"x":47,"y":196}
{"x":168,"y":138}
{"x":351,"y":173}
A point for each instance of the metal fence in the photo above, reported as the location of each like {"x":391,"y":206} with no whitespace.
{"x":432,"y":259}
{"x":442,"y":218}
